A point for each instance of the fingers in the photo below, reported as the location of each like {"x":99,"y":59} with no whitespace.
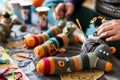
{"x":59,"y":10}
{"x":104,"y":27}
{"x":108,"y":35}
{"x":109,"y":30}
{"x":112,"y":38}
{"x":69,"y":8}
{"x":63,"y":10}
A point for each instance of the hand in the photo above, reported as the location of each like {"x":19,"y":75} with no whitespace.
{"x":63,"y":9}
{"x":109,"y":30}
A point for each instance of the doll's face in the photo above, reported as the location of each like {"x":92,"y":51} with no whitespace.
{"x":102,"y":51}
{"x":70,"y":27}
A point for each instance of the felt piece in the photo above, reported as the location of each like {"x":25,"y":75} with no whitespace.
{"x":20,"y":56}
{"x":91,"y":74}
{"x":10,"y":65}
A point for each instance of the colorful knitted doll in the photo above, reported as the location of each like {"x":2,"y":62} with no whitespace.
{"x":83,"y":61}
{"x":94,"y":54}
{"x":34,"y":40}
{"x":71,"y":34}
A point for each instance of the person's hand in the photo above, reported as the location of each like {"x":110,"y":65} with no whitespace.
{"x":109,"y":30}
{"x":63,"y":9}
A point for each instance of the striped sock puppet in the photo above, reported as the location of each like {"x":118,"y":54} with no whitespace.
{"x":83,"y":61}
{"x":71,"y":34}
{"x":54,"y":43}
{"x":33,"y":40}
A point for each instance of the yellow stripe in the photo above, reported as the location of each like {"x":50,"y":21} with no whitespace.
{"x":55,"y":30}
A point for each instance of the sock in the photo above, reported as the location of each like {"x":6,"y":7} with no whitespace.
{"x":54,"y":43}
{"x":34,"y":40}
{"x":83,"y":61}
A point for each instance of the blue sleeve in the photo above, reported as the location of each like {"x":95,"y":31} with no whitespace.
{"x":50,"y":3}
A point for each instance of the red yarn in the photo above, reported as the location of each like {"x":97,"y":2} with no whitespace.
{"x":36,"y":40}
{"x":47,"y":68}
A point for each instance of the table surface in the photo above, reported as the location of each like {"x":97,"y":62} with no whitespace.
{"x":29,"y":69}
{"x":11,"y":64}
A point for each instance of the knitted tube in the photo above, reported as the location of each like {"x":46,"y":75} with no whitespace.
{"x":34,"y":40}
{"x":83,"y":61}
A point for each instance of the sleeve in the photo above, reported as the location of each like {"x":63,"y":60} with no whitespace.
{"x":50,"y":3}
{"x":77,"y":3}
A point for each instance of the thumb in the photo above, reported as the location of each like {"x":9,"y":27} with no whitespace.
{"x":69,"y":8}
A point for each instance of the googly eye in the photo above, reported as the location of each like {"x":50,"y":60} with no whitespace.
{"x":107,"y":54}
{"x":100,"y":50}
{"x":61,"y":63}
{"x":104,"y":52}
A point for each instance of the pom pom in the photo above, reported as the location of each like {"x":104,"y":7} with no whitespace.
{"x":108,"y":67}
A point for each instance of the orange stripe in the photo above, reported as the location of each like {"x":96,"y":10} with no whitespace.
{"x":55,"y":30}
{"x":52,"y":65}
{"x":76,"y":39}
{"x":65,"y":40}
{"x":40,"y":66}
{"x":39,"y":51}
{"x":75,"y":62}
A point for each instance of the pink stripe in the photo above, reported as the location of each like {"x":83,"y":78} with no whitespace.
{"x":36,"y":40}
{"x":47,"y":66}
